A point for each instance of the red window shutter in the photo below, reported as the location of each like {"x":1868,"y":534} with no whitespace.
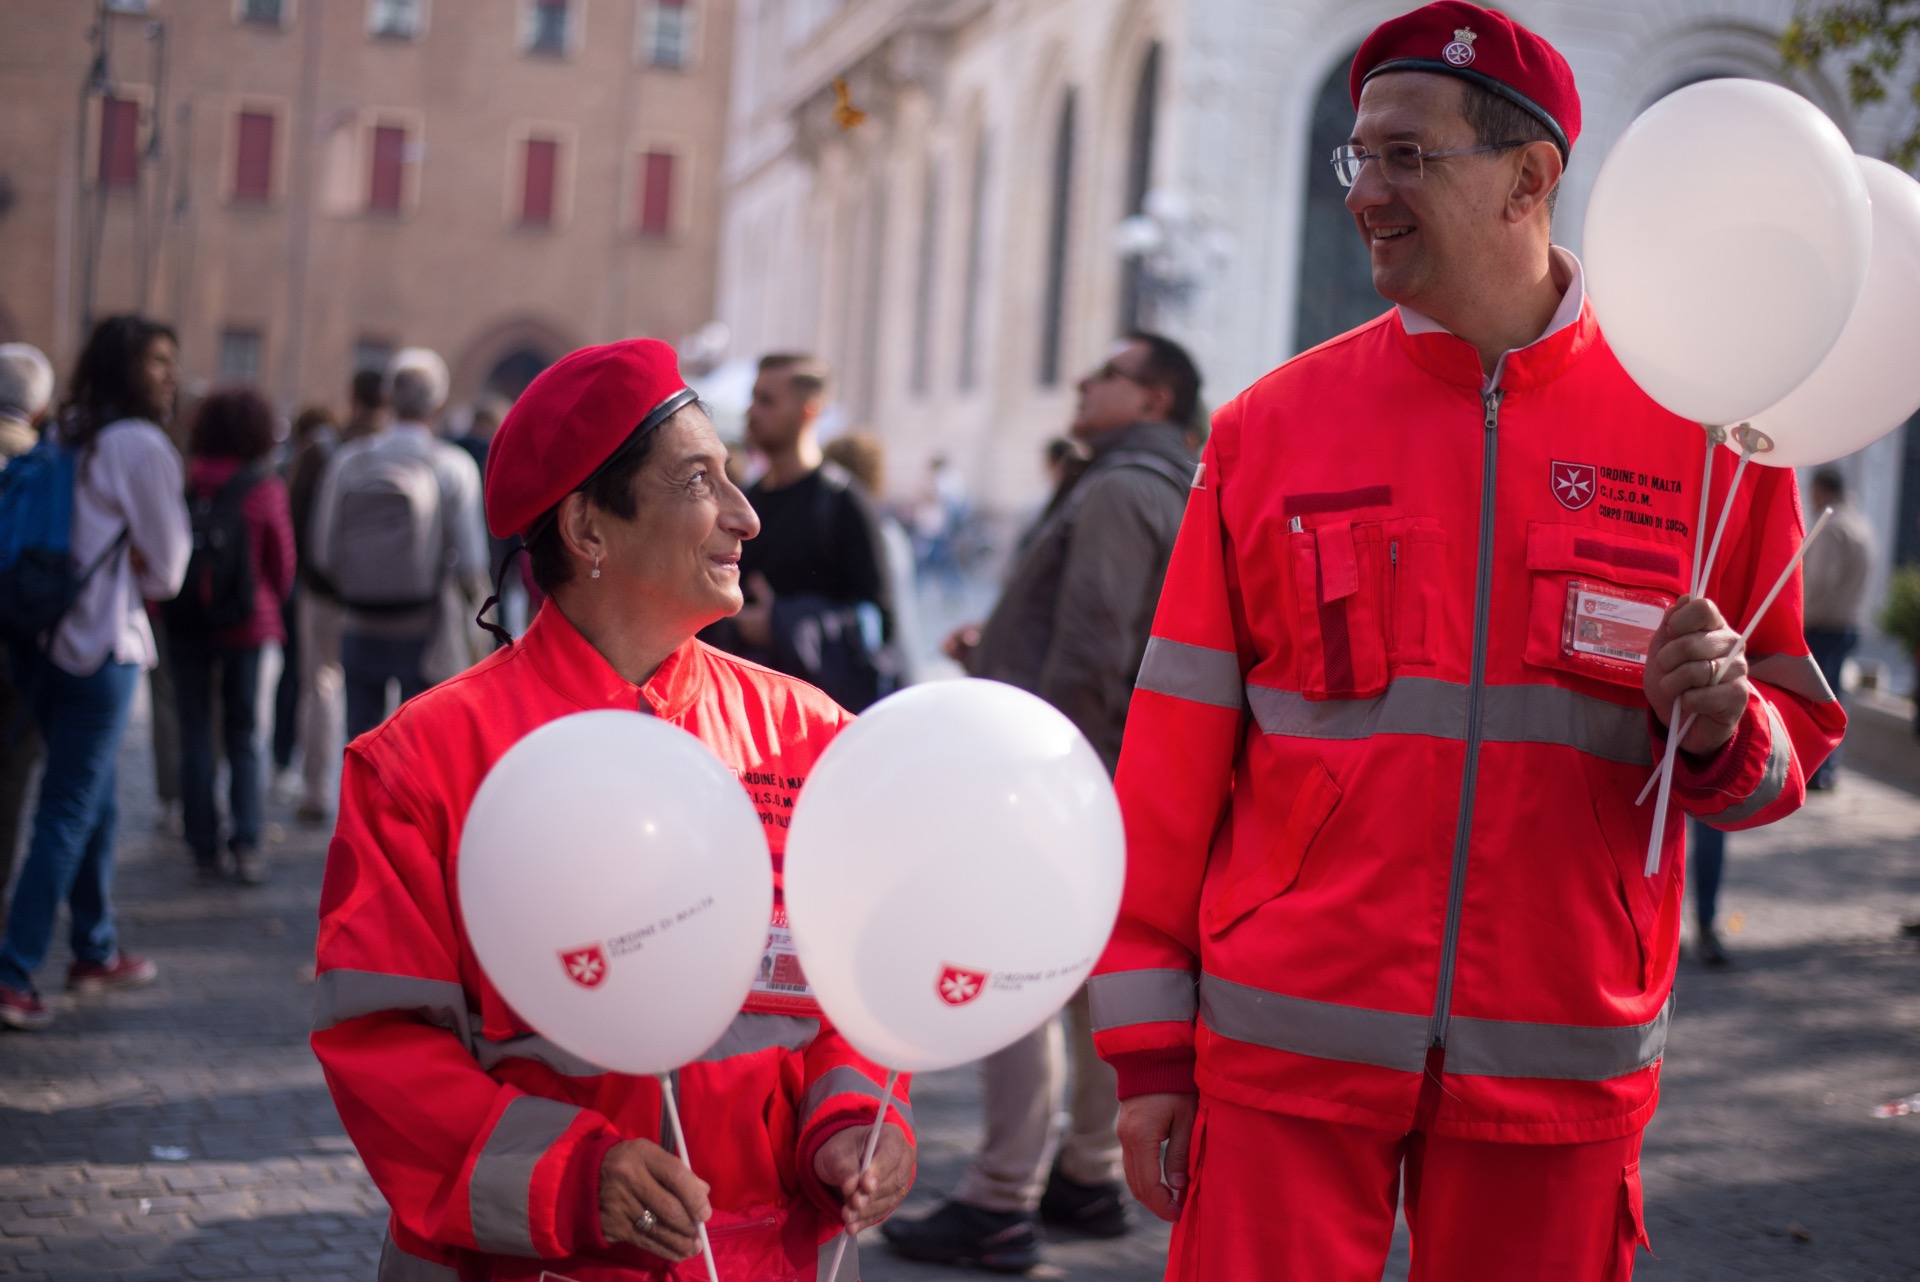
{"x":389,"y":161}
{"x":253,"y":157}
{"x":656,"y":194}
{"x":536,"y":198}
{"x":119,"y":142}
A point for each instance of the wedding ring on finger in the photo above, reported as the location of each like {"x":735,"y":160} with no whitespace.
{"x":644,"y":1222}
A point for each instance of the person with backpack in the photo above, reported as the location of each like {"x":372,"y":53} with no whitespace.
{"x":1071,"y":627}
{"x":396,"y":517}
{"x":92,"y":522}
{"x":26,"y":390}
{"x":227,"y":610}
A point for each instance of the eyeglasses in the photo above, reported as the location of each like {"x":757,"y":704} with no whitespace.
{"x":1110,"y":370}
{"x":1400,"y":162}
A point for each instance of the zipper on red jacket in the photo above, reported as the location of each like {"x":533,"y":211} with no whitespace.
{"x":1476,"y":692}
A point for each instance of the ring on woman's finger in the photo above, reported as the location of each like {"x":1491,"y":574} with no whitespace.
{"x":644,"y":1222}
{"x":1713,"y":672}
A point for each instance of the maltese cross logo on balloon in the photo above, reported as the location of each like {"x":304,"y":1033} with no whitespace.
{"x":585,"y":966}
{"x":958,"y":985}
{"x":1573,"y":484}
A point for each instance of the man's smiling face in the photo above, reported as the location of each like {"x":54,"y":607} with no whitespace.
{"x":1424,"y":235}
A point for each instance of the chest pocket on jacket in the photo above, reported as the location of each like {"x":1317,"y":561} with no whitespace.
{"x":1596,"y":598}
{"x":1365,"y":596}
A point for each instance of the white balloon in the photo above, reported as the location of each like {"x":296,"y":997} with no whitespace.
{"x":953,"y":871}
{"x":616,"y":888}
{"x":1869,"y":383}
{"x":1726,"y":242}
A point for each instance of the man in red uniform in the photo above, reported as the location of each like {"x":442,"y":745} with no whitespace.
{"x":501,"y":1155}
{"x":1387,"y":927}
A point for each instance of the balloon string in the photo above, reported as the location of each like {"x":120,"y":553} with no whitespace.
{"x":1706,"y":488}
{"x":873,"y":1145}
{"x":1746,"y":634}
{"x":1702,"y":569}
{"x":680,"y":1139}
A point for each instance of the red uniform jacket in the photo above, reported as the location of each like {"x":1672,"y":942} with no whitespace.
{"x":1379,"y":777}
{"x":485,"y":1138}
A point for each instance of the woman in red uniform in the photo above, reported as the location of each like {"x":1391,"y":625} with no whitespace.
{"x":501,"y":1155}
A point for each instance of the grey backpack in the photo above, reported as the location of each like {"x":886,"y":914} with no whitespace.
{"x":390,"y":545}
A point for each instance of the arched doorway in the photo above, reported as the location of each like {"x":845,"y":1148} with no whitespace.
{"x":510,"y":374}
{"x":1336,"y":277}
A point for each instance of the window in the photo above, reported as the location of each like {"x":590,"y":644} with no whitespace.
{"x":253,"y":157}
{"x":126,"y":6}
{"x":539,"y":175}
{"x":547,"y":26}
{"x":667,"y":33}
{"x":372,"y":353}
{"x":920,"y":376}
{"x":265,"y":13}
{"x":119,"y":142}
{"x":1053,"y":314}
{"x":396,"y":19}
{"x":386,"y":186}
{"x":240,"y":356}
{"x":1134,"y":310}
{"x":976,"y":254}
{"x":656,"y":194}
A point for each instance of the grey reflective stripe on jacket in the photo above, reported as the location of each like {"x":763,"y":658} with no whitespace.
{"x":1192,"y":672}
{"x":341,"y":995}
{"x":849,"y":1263}
{"x":1141,"y":997}
{"x":1773,"y":778}
{"x":1392,"y":1039}
{"x":1542,"y":714}
{"x":397,"y":1265}
{"x":1797,"y":674}
{"x":500,"y":1189}
{"x":749,"y":1034}
{"x":847,"y":1080}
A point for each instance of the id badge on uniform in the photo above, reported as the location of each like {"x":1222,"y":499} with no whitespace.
{"x":1610,"y":626}
{"x":780,"y":987}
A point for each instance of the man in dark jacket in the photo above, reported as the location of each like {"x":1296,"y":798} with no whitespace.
{"x":818,"y":603}
{"x":1071,"y":627}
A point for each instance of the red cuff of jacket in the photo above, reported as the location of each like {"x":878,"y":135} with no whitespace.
{"x":580,"y":1189}
{"x":1717,"y":773}
{"x":1162,"y":1072}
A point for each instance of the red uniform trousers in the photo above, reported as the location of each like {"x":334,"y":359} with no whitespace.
{"x":1279,"y":1198}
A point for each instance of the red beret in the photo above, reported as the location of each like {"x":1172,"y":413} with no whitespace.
{"x":572,"y":419}
{"x":1486,"y":48}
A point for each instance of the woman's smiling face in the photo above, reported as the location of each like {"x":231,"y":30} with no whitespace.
{"x":679,"y":557}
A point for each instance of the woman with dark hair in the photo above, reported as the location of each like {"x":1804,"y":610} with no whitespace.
{"x":130,"y":534}
{"x":229,"y":609}
{"x":504,"y":1158}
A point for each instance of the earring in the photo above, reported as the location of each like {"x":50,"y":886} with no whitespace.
{"x":596,"y":568}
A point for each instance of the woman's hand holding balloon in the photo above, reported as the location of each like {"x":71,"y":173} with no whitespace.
{"x":870,"y":1196}
{"x":643,"y":1184}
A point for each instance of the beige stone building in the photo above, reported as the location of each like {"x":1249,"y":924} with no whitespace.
{"x":1033,"y":176}
{"x":301,"y":186}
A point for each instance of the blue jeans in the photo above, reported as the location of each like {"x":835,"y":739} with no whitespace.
{"x":194,"y":661}
{"x":1830,"y":647}
{"x":1709,"y":857}
{"x":81,"y":719}
{"x":367,"y":664}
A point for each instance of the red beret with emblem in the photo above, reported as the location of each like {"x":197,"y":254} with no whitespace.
{"x":572,"y":420}
{"x":1484,"y":48}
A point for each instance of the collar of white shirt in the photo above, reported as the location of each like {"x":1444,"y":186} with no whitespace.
{"x":1564,"y":315}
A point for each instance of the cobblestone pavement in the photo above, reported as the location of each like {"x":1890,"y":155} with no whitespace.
{"x":183,"y":1131}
